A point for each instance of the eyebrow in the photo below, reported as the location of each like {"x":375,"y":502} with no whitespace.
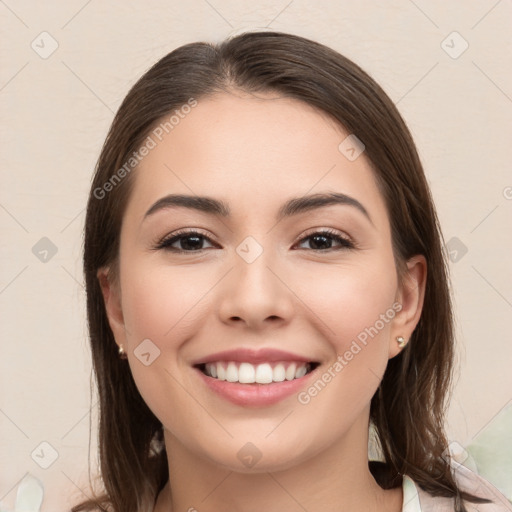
{"x":292,"y":207}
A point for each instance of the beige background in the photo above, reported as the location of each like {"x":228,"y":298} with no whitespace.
{"x":55,"y":112}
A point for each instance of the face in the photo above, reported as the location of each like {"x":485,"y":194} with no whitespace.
{"x":286,"y":267}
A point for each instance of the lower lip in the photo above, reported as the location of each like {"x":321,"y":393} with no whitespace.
{"x":256,"y":395}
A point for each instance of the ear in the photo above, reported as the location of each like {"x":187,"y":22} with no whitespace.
{"x":112,"y":298}
{"x":410,"y":296}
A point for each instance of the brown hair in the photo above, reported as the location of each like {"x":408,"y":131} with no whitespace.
{"x":408,"y":408}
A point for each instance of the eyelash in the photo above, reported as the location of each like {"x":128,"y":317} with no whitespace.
{"x":166,"y":243}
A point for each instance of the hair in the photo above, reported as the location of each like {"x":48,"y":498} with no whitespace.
{"x":408,"y":409}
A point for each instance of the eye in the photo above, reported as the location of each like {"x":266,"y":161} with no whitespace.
{"x":193,"y":241}
{"x":323,"y":241}
{"x":184,"y":241}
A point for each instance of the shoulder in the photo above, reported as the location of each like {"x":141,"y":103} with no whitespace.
{"x":418,"y":500}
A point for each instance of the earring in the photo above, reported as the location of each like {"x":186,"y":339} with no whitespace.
{"x":122,"y":353}
{"x":401,"y":341}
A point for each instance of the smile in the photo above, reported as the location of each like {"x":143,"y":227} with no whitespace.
{"x":262,"y":373}
{"x":255,"y":385}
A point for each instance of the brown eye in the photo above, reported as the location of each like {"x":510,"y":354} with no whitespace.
{"x":189,"y":241}
{"x":326,"y":240}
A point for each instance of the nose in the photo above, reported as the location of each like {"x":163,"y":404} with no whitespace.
{"x":255,"y":295}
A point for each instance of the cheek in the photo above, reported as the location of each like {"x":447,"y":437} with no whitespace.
{"x":351,"y":302}
{"x":165,"y":306}
{"x":355,"y":315}
{"x":162,"y":304}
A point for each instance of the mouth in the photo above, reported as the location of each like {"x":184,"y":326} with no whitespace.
{"x":241,"y":372}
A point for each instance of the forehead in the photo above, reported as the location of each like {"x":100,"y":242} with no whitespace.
{"x":252,"y":149}
{"x":241,"y":128}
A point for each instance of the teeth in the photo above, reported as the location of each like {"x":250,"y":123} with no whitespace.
{"x":219,"y":369}
{"x":290,"y":372}
{"x":264,"y":373}
{"x":279,"y":373}
{"x":300,"y":372}
{"x":232,"y":373}
{"x":246,"y":373}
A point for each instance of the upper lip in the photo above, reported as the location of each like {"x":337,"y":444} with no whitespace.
{"x":246,"y":355}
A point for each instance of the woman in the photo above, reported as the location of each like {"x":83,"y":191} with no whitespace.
{"x":265,"y":281}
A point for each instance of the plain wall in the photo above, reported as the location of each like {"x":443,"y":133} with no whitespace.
{"x":55,"y":113}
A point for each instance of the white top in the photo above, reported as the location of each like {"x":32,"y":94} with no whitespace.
{"x":411,"y":501}
{"x":418,"y":500}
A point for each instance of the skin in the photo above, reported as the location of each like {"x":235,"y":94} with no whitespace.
{"x":254,"y":153}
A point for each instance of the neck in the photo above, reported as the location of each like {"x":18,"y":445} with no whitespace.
{"x":338,"y":475}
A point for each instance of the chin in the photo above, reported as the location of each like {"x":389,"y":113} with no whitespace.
{"x":253,"y":458}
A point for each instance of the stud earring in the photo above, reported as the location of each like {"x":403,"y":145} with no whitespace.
{"x":401,"y":341}
{"x":122,"y":353}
